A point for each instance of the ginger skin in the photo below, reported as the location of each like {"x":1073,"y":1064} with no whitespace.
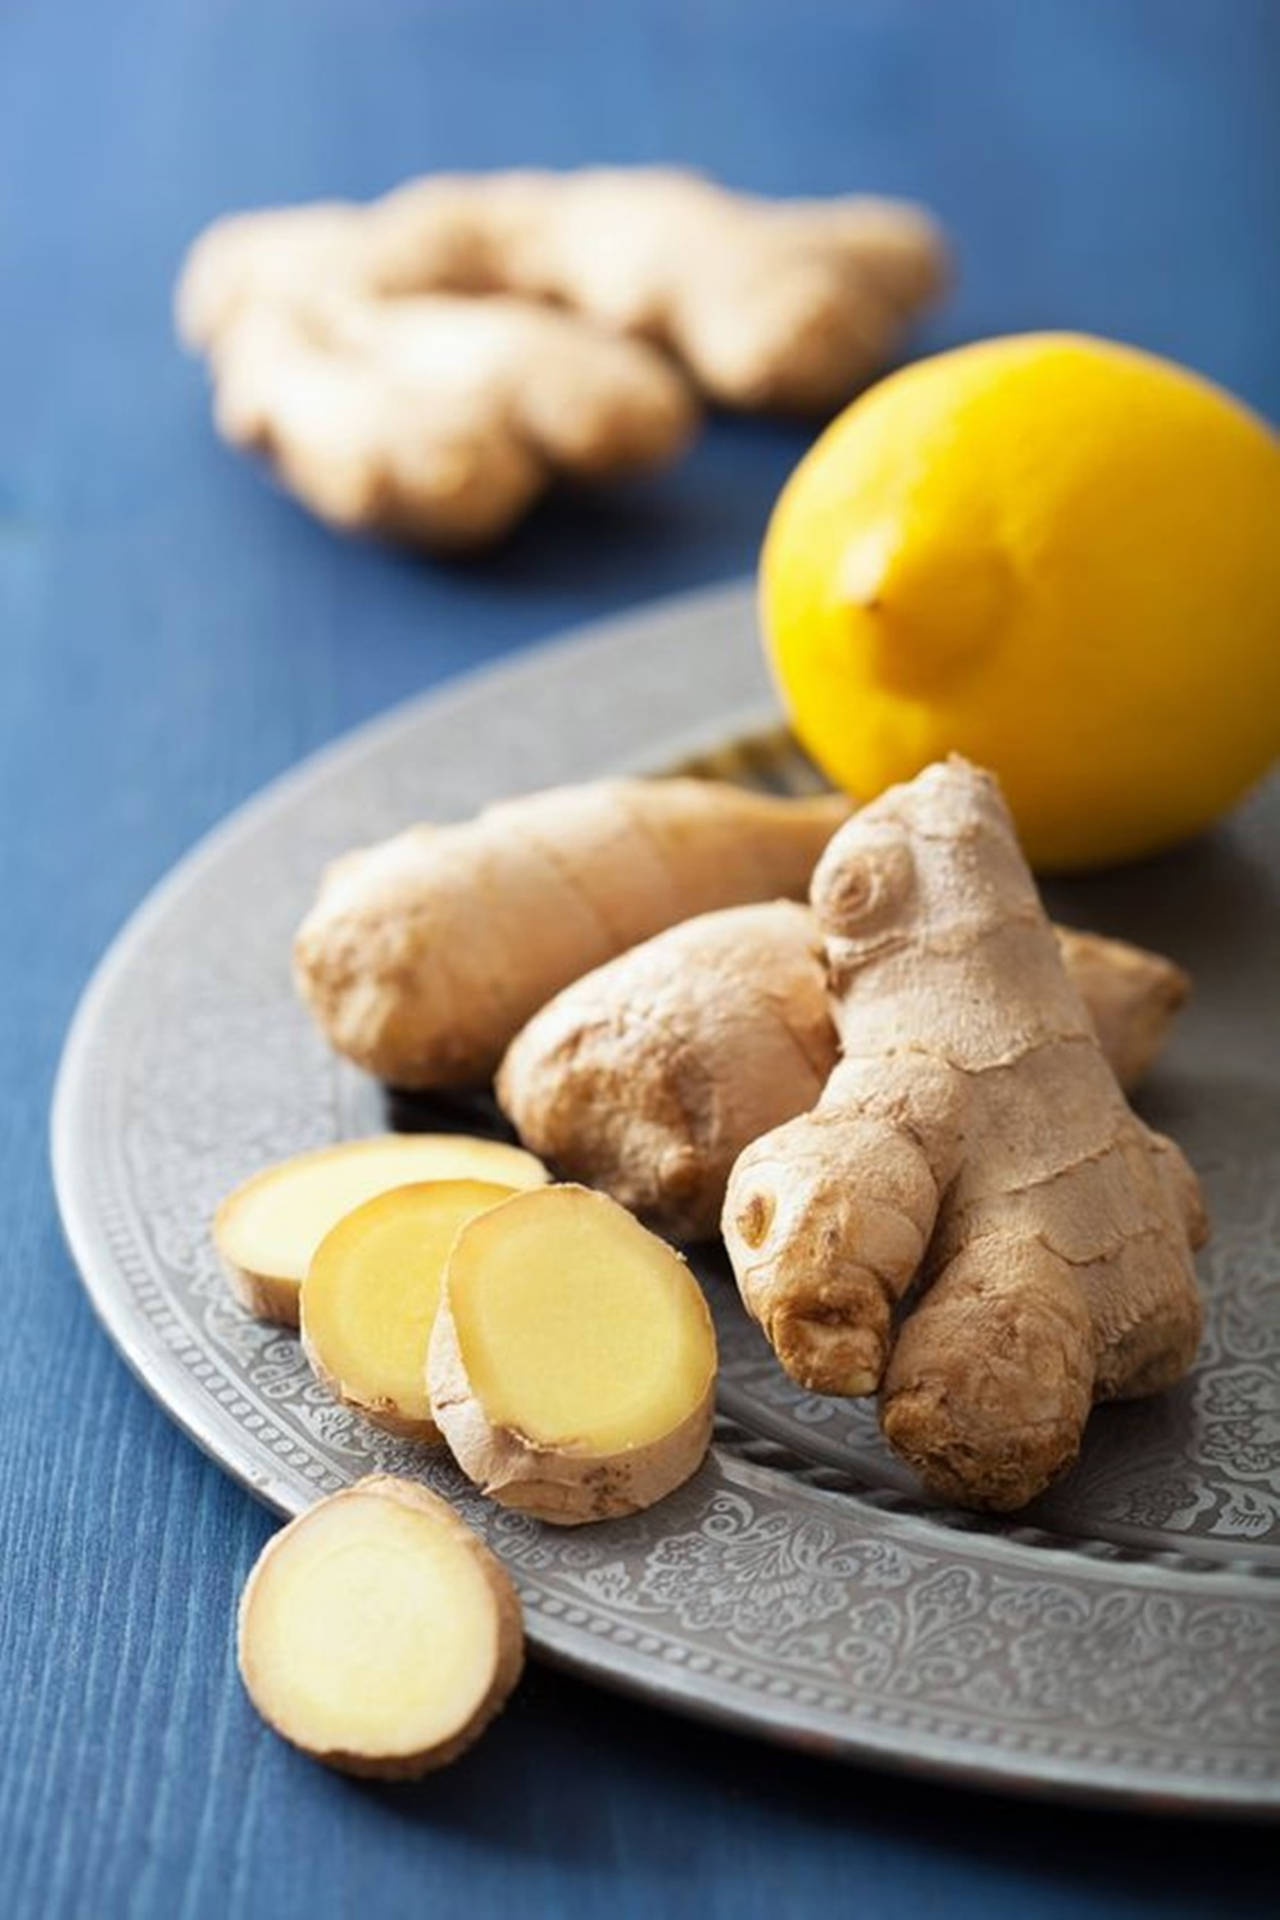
{"x":780,"y":304}
{"x":788,"y":304}
{"x":1133,"y":997}
{"x":423,"y":956}
{"x":649,"y":1076}
{"x":425,"y":366}
{"x":439,"y":419}
{"x":974,"y":1135}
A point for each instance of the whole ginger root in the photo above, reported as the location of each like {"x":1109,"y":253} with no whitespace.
{"x":424,"y":956}
{"x":767,"y":303}
{"x":649,"y":1076}
{"x":972,"y":1136}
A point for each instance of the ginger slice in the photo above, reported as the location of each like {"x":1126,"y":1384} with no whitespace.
{"x":370,"y":1295}
{"x":268,"y":1229}
{"x":378,"y":1633}
{"x":424,"y":955}
{"x":572,"y":1366}
{"x":974,"y":1135}
{"x":649,"y":1076}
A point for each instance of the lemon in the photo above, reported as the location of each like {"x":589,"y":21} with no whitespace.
{"x":1053,"y":554}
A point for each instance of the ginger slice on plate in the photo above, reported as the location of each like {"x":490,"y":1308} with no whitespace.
{"x":370,"y":1296}
{"x":268,"y":1229}
{"x":572,"y":1366}
{"x":378,"y":1633}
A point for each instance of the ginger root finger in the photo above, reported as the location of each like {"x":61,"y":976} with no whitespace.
{"x":650,"y":1075}
{"x":439,"y":418}
{"x":572,"y":1365}
{"x":828,"y":1218}
{"x":370,"y":1296}
{"x":769,"y":303}
{"x":272,"y":256}
{"x":986,"y":1399}
{"x":1133,"y":997}
{"x":267,"y":1230}
{"x":965,"y":1043}
{"x":378,"y":1633}
{"x":423,"y":956}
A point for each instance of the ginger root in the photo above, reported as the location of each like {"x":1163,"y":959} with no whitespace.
{"x":1133,"y":997}
{"x":268,"y":1229}
{"x":425,"y":955}
{"x":572,"y":1365}
{"x":651,"y":1074}
{"x":974,"y":1135}
{"x":369,"y":1299}
{"x":438,"y":418}
{"x":769,"y":303}
{"x":648,"y":1076}
{"x":378,"y":1633}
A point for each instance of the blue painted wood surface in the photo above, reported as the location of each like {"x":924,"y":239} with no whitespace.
{"x":172,"y":632}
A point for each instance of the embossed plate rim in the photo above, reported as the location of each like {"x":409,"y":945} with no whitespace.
{"x":699,"y":636}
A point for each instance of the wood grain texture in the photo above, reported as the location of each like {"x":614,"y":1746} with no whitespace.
{"x":173,"y":632}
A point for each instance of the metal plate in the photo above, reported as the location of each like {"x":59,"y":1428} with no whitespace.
{"x":1121,"y":1642}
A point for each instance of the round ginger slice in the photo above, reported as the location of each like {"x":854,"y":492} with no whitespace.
{"x":268,"y":1229}
{"x":371,"y":1292}
{"x":378,"y":1633}
{"x":572,"y":1364}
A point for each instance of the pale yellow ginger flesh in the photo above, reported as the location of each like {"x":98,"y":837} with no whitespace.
{"x":769,"y":303}
{"x":378,"y":1633}
{"x":572,"y":1366}
{"x":268,"y":1229}
{"x":439,"y":418}
{"x":370,"y":1295}
{"x":974,"y":1137}
{"x":425,"y":955}
{"x":651,"y":1074}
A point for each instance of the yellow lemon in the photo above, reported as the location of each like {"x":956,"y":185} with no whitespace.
{"x":1058,"y":556}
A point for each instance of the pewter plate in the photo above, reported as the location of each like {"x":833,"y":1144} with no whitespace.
{"x":1120,"y":1642}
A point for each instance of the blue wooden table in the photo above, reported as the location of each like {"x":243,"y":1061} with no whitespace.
{"x":172,"y":633}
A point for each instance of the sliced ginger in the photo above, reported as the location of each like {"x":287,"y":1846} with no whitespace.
{"x":972,"y":1135}
{"x":268,"y":1229}
{"x":370,"y":1296}
{"x":377,"y":1633}
{"x":572,"y":1366}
